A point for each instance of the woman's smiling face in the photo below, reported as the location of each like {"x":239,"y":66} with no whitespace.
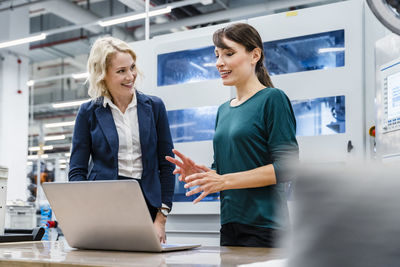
{"x":121,"y":74}
{"x":234,"y":63}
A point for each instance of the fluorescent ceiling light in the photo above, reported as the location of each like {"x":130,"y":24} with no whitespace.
{"x":54,"y":137}
{"x":23,"y":40}
{"x":67,"y":154}
{"x":77,"y":76}
{"x":135,"y":17}
{"x":59,"y":124}
{"x":160,"y":11}
{"x":206,"y":2}
{"x":63,"y":166}
{"x":30,"y":83}
{"x":62,"y":161}
{"x":330,"y":49}
{"x":69,"y":104}
{"x":29,"y":163}
{"x":37,"y":148}
{"x":31,"y":157}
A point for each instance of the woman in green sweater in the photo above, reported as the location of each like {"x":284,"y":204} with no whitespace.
{"x":254,"y":146}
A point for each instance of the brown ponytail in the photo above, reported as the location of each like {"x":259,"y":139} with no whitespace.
{"x":262,"y":74}
{"x":247,"y":36}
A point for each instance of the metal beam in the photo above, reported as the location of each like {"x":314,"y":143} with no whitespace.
{"x":230,"y":14}
{"x":77,"y":15}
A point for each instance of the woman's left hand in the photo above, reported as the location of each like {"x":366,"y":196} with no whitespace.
{"x":159,"y":224}
{"x":206,"y":182}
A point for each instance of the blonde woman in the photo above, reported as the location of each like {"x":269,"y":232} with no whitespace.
{"x":124,"y":132}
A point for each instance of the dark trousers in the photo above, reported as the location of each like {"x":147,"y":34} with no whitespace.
{"x":237,"y":234}
{"x":153,"y":210}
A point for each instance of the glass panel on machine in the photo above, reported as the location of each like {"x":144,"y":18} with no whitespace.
{"x":320,"y":116}
{"x":186,"y":66}
{"x":180,"y":194}
{"x":304,"y":53}
{"x":193,"y":124}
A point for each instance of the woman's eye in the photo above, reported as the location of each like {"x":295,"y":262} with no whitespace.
{"x":229,"y":54}
{"x":120,"y":71}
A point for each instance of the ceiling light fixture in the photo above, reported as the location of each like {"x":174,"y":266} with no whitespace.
{"x":33,"y":38}
{"x":54,"y":137}
{"x":37,"y":148}
{"x":135,"y":17}
{"x":30,"y":83}
{"x":78,"y":76}
{"x":75,"y":76}
{"x":32,"y":157}
{"x":59,"y":124}
{"x":69,"y":104}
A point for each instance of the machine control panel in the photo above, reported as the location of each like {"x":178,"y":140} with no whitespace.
{"x":390,"y":78}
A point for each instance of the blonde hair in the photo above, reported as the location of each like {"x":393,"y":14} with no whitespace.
{"x":99,"y":60}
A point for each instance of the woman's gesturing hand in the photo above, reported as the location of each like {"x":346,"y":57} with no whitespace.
{"x":206,"y":183}
{"x":185,"y":166}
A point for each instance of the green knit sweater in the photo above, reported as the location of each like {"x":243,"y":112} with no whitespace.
{"x":258,"y":132}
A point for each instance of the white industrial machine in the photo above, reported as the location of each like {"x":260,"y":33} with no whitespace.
{"x":312,"y":55}
{"x":319,"y":64}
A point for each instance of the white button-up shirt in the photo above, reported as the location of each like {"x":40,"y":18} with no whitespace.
{"x":129,"y":151}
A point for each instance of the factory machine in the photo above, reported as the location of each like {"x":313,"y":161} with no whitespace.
{"x":316,"y":58}
{"x":387,"y":82}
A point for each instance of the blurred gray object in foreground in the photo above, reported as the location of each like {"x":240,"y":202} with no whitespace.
{"x":346,"y":216}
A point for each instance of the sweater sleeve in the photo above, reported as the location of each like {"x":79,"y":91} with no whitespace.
{"x":214,"y":164}
{"x":280,"y":124}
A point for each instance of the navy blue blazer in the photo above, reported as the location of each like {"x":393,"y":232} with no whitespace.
{"x":95,"y":135}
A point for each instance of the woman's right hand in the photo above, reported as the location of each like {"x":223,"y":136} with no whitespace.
{"x":185,"y":166}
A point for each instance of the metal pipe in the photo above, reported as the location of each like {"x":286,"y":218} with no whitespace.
{"x":10,"y":8}
{"x":147,"y":21}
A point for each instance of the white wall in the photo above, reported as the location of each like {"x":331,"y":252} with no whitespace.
{"x":14,"y":105}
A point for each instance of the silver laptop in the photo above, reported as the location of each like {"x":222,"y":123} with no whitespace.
{"x":105,"y":215}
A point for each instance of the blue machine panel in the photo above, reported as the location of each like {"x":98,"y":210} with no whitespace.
{"x":186,"y":66}
{"x":304,"y":53}
{"x":192,"y":124}
{"x":320,"y":116}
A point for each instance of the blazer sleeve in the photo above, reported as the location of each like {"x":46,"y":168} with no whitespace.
{"x":81,"y":145}
{"x":164,"y":148}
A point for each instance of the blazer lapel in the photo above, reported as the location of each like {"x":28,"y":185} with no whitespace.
{"x":107,"y":125}
{"x":145,"y":114}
